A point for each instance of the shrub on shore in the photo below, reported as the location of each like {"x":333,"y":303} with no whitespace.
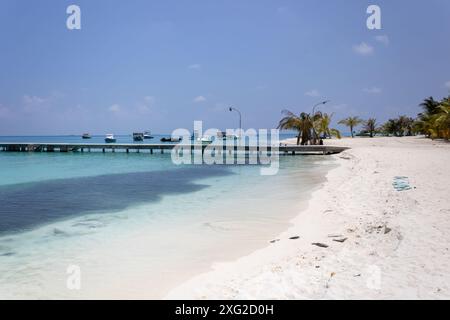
{"x":434,"y":121}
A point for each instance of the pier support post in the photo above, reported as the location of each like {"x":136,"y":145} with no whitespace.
{"x":103,"y":150}
{"x":151,"y":151}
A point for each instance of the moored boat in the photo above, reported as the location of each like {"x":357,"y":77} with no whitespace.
{"x":148,"y":135}
{"x":205,"y":139}
{"x":170,"y":139}
{"x":86,"y":136}
{"x":110,"y":138}
{"x":138,"y":136}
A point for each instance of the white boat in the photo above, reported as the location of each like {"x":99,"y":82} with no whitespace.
{"x":202,"y":139}
{"x":110,"y":138}
{"x":148,"y":135}
{"x":205,"y":139}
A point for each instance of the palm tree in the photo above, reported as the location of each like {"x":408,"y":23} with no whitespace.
{"x":406,"y":125}
{"x":310,"y":128}
{"x":442,"y":119}
{"x":434,"y":122}
{"x":301,"y":123}
{"x":391,"y":127}
{"x":370,"y":126}
{"x":430,"y":106}
{"x":322,"y":126}
{"x":351,"y":122}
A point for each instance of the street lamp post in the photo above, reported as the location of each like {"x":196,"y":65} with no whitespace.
{"x":312,"y":117}
{"x":240,"y":118}
{"x":318,"y":104}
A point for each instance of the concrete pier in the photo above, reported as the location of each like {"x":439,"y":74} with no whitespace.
{"x":126,"y":148}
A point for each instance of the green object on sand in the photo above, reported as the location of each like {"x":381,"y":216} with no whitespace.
{"x":401,"y":183}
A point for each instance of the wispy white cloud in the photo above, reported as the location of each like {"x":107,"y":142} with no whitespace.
{"x":31,"y":103}
{"x":383,"y":39}
{"x":447,"y":85}
{"x":199,"y":99}
{"x":372,"y":90}
{"x":115,"y":108}
{"x":33,"y":100}
{"x":146,"y":105}
{"x":312,"y":93}
{"x":363,"y":49}
{"x":194,"y":66}
{"x":149,"y":99}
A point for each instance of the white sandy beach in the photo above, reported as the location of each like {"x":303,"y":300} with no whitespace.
{"x":395,"y":243}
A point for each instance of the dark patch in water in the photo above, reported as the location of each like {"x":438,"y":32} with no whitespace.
{"x":25,"y":206}
{"x":89,"y":225}
{"x":7,"y":254}
{"x":59,"y":232}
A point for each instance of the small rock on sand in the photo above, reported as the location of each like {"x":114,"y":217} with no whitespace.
{"x":322,"y":245}
{"x":335,"y":235}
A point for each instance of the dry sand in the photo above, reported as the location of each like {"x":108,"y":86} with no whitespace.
{"x":395,"y":243}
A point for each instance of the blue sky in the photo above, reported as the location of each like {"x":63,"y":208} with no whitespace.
{"x":160,"y":65}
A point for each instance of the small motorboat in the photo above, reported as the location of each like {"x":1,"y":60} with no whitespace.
{"x":171,"y":139}
{"x":110,"y":138}
{"x":148,"y":135}
{"x":138,"y":136}
{"x":86,"y":136}
{"x":206,"y":139}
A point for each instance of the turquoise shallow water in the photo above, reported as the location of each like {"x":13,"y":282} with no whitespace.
{"x":135,"y":224}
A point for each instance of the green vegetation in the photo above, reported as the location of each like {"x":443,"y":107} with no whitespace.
{"x":433,"y":122}
{"x":370,"y":126}
{"x":351,"y":122}
{"x":398,"y":127}
{"x":311,"y":129}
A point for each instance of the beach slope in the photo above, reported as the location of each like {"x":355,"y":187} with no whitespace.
{"x":378,"y":228}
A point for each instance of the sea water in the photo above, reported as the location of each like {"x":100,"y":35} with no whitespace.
{"x":135,"y":225}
